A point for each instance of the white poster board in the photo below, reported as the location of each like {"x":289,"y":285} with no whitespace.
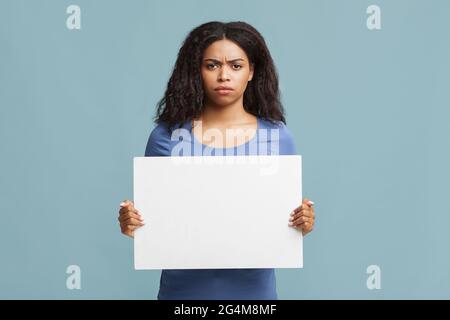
{"x":205,"y":212}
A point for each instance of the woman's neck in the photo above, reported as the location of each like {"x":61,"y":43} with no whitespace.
{"x":226,"y":115}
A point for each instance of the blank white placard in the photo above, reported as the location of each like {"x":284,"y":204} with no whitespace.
{"x":206,"y":212}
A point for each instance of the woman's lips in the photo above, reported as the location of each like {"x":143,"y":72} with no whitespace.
{"x":223,"y":91}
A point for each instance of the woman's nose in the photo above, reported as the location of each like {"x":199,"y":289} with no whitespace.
{"x":223,"y":74}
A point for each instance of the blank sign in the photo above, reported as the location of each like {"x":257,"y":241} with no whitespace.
{"x":206,"y":212}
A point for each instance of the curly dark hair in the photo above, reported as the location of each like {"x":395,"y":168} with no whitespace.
{"x":183,"y":99}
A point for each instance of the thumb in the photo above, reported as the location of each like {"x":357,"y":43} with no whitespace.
{"x":126,"y":203}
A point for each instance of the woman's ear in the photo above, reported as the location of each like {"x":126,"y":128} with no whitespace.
{"x":252,"y":69}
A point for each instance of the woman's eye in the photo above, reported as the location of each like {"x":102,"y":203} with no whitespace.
{"x":212,"y":66}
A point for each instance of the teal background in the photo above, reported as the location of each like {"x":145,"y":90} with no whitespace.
{"x":369,"y":111}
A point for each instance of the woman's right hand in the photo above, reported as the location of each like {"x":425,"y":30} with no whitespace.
{"x":129,"y":218}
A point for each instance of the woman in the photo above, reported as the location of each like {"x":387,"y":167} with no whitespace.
{"x":224,"y":81}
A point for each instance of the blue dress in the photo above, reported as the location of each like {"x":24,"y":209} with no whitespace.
{"x":213,"y":284}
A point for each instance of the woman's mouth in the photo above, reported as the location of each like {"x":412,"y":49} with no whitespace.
{"x":223,"y":90}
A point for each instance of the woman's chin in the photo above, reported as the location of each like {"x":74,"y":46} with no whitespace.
{"x":222,"y":100}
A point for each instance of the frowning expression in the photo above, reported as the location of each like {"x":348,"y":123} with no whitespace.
{"x":225,"y":71}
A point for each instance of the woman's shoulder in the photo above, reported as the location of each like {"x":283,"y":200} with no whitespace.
{"x":279,"y":126}
{"x":158,"y":143}
{"x":278,"y":130}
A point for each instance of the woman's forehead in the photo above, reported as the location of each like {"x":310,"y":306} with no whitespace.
{"x":224,"y":50}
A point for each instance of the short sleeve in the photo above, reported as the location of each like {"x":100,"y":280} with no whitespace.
{"x":158,"y":143}
{"x":287,"y":141}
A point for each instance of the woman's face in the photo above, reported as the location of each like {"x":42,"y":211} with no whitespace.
{"x":225,"y":64}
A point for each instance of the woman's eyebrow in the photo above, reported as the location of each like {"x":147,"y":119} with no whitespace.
{"x":217,"y":61}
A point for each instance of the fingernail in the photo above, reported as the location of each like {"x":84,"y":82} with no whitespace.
{"x":290,"y":223}
{"x":290,"y":219}
{"x":292,"y":213}
{"x":123,"y":204}
{"x":310,"y":202}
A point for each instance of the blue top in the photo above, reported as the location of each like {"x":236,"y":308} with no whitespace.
{"x":211,"y":284}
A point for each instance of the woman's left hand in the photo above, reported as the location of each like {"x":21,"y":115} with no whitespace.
{"x":302,"y":218}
